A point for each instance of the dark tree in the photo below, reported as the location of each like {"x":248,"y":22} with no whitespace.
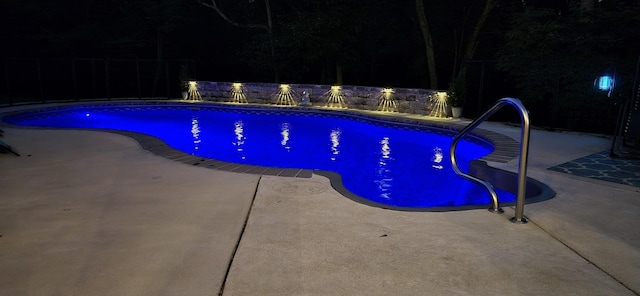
{"x":554,"y":56}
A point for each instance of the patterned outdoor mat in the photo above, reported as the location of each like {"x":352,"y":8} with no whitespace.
{"x":603,"y":167}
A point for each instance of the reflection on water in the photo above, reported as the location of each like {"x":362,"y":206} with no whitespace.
{"x":284,"y":132}
{"x":195,"y":132}
{"x":437,"y":158}
{"x":239,"y":141}
{"x":335,"y":143}
{"x":384,"y":177}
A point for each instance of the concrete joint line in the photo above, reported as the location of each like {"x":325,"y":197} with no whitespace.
{"x":235,"y":249}
{"x":583,"y":257}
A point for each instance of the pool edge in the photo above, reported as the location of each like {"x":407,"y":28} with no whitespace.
{"x":504,"y":149}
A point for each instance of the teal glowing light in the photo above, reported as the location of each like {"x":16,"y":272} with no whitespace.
{"x":605,"y":83}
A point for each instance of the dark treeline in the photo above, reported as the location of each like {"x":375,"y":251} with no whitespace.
{"x":317,"y":41}
{"x":546,"y":52}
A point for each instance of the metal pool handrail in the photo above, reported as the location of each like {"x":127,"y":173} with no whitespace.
{"x":522,"y":165}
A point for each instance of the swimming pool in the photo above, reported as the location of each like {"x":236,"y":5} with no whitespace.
{"x":391,"y":164}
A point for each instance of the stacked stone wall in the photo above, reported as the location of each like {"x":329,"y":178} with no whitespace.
{"x":408,"y":100}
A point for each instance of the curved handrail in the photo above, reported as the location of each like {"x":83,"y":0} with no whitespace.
{"x":522,"y":165}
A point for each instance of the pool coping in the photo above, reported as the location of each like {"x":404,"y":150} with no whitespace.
{"x":505,"y":148}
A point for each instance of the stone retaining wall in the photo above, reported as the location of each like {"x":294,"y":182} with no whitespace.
{"x":408,"y":100}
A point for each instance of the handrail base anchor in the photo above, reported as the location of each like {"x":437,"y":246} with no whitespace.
{"x":496,"y":211}
{"x":519,"y":221}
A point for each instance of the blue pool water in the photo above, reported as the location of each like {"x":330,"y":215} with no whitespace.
{"x":386,"y":163}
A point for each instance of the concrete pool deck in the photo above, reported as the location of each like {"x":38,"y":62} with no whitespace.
{"x":93,"y":213}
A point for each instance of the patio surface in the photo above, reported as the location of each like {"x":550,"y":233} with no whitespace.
{"x":93,"y":213}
